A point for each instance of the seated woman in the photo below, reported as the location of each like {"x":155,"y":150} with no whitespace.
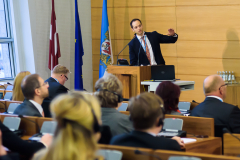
{"x":17,"y":94}
{"x":147,"y":115}
{"x":109,"y":92}
{"x":170,"y":94}
{"x":78,"y":115}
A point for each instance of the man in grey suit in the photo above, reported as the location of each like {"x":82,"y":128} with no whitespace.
{"x":34,"y":90}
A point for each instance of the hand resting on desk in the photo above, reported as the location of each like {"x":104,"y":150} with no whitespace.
{"x":180,"y":142}
{"x":46,"y":140}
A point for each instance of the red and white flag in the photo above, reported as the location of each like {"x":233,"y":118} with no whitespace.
{"x":54,"y":47}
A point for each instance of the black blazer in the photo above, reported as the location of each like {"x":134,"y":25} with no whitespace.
{"x":54,"y":89}
{"x":155,"y":40}
{"x":145,"y":140}
{"x":224,"y":114}
{"x":16,"y":144}
{"x":27,"y":109}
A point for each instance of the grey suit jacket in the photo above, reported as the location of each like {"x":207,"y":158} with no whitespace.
{"x":27,"y":109}
{"x":119,"y":123}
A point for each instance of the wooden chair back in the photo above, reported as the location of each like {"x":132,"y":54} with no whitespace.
{"x":129,"y":152}
{"x":196,"y":125}
{"x":28,"y":124}
{"x":192,"y":125}
{"x":231,"y":145}
{"x":164,"y":155}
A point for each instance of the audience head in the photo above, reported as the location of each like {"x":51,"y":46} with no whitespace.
{"x":214,"y":85}
{"x":136,"y":26}
{"x":17,"y":91}
{"x":109,"y":91}
{"x":34,"y":87}
{"x":78,"y":116}
{"x":170,"y":94}
{"x":60,"y":72}
{"x":146,"y":112}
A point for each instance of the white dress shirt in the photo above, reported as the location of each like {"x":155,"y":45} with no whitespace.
{"x":216,"y":98}
{"x":153,"y":62}
{"x":38,"y":106}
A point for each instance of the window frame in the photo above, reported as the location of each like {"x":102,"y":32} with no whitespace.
{"x":9,"y":39}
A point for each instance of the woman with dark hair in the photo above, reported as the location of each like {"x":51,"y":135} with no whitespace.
{"x":170,"y":94}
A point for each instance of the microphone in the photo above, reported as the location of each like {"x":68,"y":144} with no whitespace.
{"x":38,"y":128}
{"x":225,"y":130}
{"x":125,"y":47}
{"x":147,"y":154}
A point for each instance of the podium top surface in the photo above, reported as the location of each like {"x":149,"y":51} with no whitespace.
{"x":179,"y":83}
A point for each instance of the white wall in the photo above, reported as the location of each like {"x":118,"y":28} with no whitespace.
{"x":38,"y":18}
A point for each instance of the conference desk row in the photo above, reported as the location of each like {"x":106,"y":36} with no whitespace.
{"x":211,"y":145}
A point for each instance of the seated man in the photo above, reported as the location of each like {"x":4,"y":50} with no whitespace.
{"x":109,"y":92}
{"x":56,"y":83}
{"x":224,"y":114}
{"x":34,"y":90}
{"x":146,"y":112}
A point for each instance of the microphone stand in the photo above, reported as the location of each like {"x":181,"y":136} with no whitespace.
{"x":125,"y":47}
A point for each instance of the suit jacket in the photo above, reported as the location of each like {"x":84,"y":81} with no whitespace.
{"x":27,"y":109}
{"x":224,"y":114}
{"x":145,"y":140}
{"x":16,"y":144}
{"x":54,"y":90}
{"x":155,"y":40}
{"x":119,"y":123}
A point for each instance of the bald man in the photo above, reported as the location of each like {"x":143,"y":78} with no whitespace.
{"x":224,"y":114}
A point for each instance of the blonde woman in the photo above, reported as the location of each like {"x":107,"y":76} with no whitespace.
{"x":17,"y":91}
{"x":78,"y":116}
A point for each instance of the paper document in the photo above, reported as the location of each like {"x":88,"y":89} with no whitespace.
{"x":188,"y":140}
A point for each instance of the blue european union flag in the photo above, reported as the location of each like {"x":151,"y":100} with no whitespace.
{"x":78,"y":52}
{"x":105,"y":43}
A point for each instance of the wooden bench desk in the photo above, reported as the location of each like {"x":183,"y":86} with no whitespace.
{"x":231,"y":146}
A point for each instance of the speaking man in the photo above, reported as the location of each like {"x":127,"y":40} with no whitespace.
{"x":145,"y":49}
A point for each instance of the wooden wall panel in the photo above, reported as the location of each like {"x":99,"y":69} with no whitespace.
{"x":153,"y":19}
{"x":196,"y":94}
{"x":133,"y":3}
{"x":208,"y":49}
{"x":203,"y":66}
{"x":96,"y":59}
{"x":208,"y":35}
{"x":206,"y":2}
{"x":117,"y":46}
{"x":95,"y":78}
{"x":208,"y":22}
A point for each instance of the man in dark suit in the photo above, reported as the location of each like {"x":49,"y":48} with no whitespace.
{"x":34,"y":90}
{"x":147,"y":116}
{"x":224,"y":114}
{"x":145,"y":49}
{"x":56,"y":83}
{"x":16,"y":144}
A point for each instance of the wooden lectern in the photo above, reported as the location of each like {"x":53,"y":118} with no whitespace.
{"x":131,"y":77}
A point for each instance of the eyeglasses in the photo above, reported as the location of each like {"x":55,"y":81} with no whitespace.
{"x":44,"y":84}
{"x":223,"y":85}
{"x":66,"y":77}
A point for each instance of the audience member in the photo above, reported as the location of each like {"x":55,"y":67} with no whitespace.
{"x":17,"y":94}
{"x":56,"y":83}
{"x":34,"y":90}
{"x":170,"y":94}
{"x":146,"y":112}
{"x":78,"y":116}
{"x":109,"y":92}
{"x":224,"y":114}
